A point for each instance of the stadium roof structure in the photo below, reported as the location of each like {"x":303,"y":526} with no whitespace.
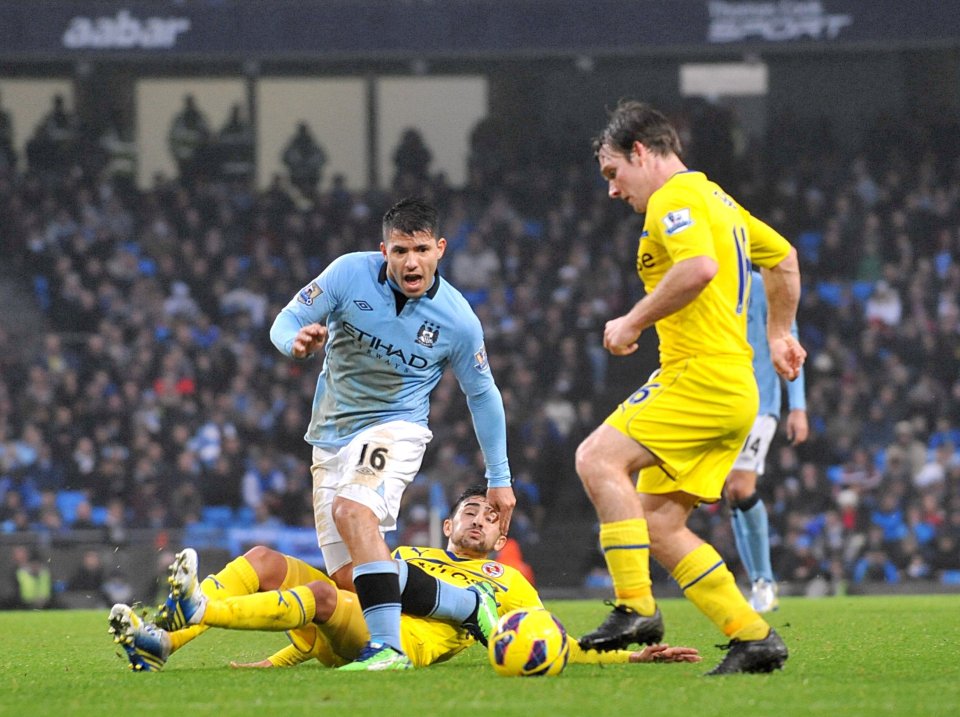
{"x":344,"y":30}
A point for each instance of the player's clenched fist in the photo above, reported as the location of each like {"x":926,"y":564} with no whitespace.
{"x":620,"y":336}
{"x":309,"y":340}
{"x":788,"y":356}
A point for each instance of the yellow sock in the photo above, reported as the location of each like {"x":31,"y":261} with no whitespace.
{"x":274,"y":610}
{"x":708,"y":584}
{"x":626,"y":548}
{"x":236,"y":578}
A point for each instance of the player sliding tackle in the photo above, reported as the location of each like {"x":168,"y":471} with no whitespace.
{"x":266,"y":590}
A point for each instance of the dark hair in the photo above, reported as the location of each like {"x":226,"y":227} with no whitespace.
{"x":634,"y":121}
{"x":411,"y":216}
{"x":477,"y":489}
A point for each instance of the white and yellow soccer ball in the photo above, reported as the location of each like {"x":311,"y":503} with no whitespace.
{"x":528,"y":642}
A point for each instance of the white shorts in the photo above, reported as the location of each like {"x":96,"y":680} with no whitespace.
{"x":373,"y":469}
{"x":753,"y":456}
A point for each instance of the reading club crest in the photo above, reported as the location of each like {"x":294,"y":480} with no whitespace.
{"x":428,"y":334}
{"x":492,"y":570}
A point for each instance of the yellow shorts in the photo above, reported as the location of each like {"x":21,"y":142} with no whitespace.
{"x":694,"y":416}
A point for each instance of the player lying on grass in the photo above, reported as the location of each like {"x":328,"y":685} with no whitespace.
{"x":266,"y":590}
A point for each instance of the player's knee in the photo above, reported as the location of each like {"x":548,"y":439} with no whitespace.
{"x":325,"y":596}
{"x":343,"y":577}
{"x":745,"y":503}
{"x":349,"y":513}
{"x":587,"y":461}
{"x":740,"y":485}
{"x":270,"y":566}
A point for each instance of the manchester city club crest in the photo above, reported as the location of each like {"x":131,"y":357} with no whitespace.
{"x":428,"y":334}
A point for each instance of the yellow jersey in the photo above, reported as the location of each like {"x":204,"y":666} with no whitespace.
{"x":690,"y":216}
{"x":429,"y":640}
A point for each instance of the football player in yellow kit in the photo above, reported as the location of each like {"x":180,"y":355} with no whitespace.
{"x":266,"y":590}
{"x":679,"y":434}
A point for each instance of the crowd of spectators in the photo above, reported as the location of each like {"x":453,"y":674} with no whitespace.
{"x":153,"y":397}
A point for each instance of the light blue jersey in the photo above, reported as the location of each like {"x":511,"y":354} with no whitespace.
{"x":768,"y":382}
{"x":386,"y":353}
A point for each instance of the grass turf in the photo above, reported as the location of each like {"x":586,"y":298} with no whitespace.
{"x":849,"y":656}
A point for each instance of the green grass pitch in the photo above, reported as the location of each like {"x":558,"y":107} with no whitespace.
{"x":849,"y":656}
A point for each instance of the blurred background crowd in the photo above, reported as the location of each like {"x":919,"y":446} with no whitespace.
{"x":151,"y":398}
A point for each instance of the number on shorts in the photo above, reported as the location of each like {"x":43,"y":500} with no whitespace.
{"x":377,"y":459}
{"x":643,"y":393}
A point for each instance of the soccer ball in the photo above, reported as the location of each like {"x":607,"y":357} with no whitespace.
{"x":528,"y":642}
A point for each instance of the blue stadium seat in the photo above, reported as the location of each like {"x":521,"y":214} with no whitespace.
{"x":99,"y":515}
{"x":217,"y":516}
{"x":67,"y":502}
{"x":476,"y":297}
{"x":31,"y":496}
{"x":835,"y":473}
{"x":950,"y":577}
{"x":830,"y":292}
{"x":880,"y":459}
{"x":41,"y":290}
{"x":808,"y":245}
{"x":244,"y":516}
{"x":201,"y":536}
{"x":301,"y":543}
{"x":533,"y":228}
{"x":861,"y":290}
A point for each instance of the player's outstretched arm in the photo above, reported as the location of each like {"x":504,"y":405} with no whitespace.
{"x":782,"y":285}
{"x":288,"y":656}
{"x":652,"y":653}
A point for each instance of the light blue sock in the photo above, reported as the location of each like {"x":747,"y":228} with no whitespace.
{"x":451,"y":602}
{"x":757,"y":533}
{"x":738,"y":523}
{"x":377,"y":585}
{"x":402,"y":573}
{"x":454,"y":603}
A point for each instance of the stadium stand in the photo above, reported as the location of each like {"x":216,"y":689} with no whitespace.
{"x":153,"y":389}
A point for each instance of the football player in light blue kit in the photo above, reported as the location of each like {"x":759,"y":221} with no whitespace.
{"x":748,"y":513}
{"x":390,"y":325}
